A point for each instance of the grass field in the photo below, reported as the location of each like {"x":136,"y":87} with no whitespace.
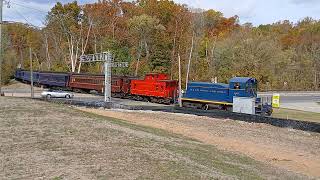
{"x":296,"y":115}
{"x":50,"y":141}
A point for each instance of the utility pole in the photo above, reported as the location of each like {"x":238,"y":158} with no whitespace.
{"x":1,"y":5}
{"x":31,"y":74}
{"x":107,"y":77}
{"x":180,"y":94}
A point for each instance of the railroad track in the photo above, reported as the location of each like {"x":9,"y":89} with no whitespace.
{"x":283,"y":123}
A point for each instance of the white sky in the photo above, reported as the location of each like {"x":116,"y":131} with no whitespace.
{"x":254,"y":11}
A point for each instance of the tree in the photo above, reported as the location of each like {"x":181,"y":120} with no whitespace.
{"x":63,"y":20}
{"x":144,"y":27}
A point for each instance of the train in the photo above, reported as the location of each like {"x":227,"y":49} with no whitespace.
{"x":205,"y":95}
{"x":155,"y":87}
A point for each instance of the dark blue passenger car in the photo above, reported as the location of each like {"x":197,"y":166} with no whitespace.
{"x":47,"y":79}
{"x":207,"y":95}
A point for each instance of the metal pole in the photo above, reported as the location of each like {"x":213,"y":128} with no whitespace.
{"x":1,"y":5}
{"x":31,"y":73}
{"x":105,"y":81}
{"x":180,"y":94}
{"x":107,"y":77}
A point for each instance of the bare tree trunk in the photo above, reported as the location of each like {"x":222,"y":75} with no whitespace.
{"x":70,"y":46}
{"x":212,"y":54}
{"x":21,"y":57}
{"x":138,"y":60}
{"x":113,"y":29}
{"x":147,"y":50}
{"x":213,"y":48}
{"x":95,"y":42}
{"x":174,"y":49}
{"x":47,"y":52}
{"x":84,"y":47}
{"x":189,"y":62}
{"x":38,"y":61}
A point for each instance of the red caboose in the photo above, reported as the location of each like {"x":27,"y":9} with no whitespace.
{"x":155,"y":88}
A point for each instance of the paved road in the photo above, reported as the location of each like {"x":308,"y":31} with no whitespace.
{"x":307,"y":102}
{"x":300,"y":99}
{"x":77,"y":96}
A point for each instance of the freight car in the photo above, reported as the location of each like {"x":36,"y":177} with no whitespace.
{"x":203,"y":95}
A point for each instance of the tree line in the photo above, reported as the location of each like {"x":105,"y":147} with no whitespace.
{"x":151,"y":34}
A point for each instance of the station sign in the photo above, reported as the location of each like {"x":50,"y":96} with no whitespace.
{"x":95,"y":57}
{"x":120,"y":64}
{"x":102,"y":57}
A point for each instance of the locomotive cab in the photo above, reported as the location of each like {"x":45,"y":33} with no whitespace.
{"x":248,"y":87}
{"x":243,"y":87}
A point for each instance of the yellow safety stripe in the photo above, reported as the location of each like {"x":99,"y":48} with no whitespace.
{"x":211,"y":102}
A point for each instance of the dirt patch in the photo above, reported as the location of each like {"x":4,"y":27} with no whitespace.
{"x":293,"y":150}
{"x":39,"y":140}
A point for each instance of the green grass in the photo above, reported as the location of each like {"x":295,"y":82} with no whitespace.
{"x":160,"y":154}
{"x":296,"y":115}
{"x":202,"y":155}
{"x":227,"y":163}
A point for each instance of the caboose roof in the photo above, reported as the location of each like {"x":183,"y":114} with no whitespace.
{"x":241,"y":79}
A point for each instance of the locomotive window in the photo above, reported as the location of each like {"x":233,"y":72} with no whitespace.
{"x":237,"y":86}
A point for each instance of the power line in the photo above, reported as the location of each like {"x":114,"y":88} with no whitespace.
{"x":28,"y":7}
{"x":9,"y":2}
{"x":28,"y":22}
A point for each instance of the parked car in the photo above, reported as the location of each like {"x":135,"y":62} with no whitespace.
{"x":56,"y":94}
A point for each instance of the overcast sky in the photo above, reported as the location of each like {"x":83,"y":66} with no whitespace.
{"x":254,"y":11}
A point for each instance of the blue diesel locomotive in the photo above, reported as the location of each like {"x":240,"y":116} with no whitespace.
{"x":204,"y":95}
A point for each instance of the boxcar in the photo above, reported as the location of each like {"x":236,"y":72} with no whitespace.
{"x":155,"y":88}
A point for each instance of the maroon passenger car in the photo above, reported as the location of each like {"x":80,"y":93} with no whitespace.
{"x":120,"y":85}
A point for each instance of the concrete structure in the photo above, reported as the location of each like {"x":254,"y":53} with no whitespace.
{"x":244,"y":105}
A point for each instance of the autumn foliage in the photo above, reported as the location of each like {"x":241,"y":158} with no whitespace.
{"x":149,"y":34}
